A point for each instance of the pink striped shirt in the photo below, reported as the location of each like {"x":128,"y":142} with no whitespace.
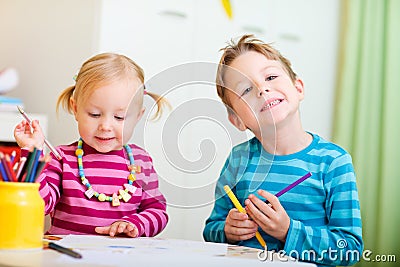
{"x":73,"y":213}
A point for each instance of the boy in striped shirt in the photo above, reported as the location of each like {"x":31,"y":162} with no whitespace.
{"x":318,"y":220}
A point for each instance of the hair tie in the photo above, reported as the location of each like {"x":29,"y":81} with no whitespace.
{"x":75,"y":76}
{"x":144,"y":92}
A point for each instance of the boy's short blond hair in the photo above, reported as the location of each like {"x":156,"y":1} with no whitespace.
{"x":245,"y":44}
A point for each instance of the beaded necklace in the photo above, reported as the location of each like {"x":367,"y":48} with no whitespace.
{"x":123,"y":193}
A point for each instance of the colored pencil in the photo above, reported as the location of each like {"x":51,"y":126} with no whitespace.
{"x":15,"y":167}
{"x":11,"y":172}
{"x":29,"y":166}
{"x":6,"y":167}
{"x":25,"y":167}
{"x":42,"y":164}
{"x":22,"y":162}
{"x":2,"y":169}
{"x":287,"y":188}
{"x":12,"y":157}
{"x":35,"y":165}
{"x":63,"y":250}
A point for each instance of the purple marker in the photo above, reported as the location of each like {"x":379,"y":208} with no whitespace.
{"x":284,"y":190}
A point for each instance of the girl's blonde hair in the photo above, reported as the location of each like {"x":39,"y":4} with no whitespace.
{"x":101,"y":70}
{"x":233,"y":50}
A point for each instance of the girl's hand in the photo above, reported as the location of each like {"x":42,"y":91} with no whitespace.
{"x":272,"y":218}
{"x":29,"y":137}
{"x":118,"y":227}
{"x":238,"y":227}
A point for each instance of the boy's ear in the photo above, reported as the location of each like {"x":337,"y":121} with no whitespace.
{"x":236,"y":121}
{"x":298,"y":84}
{"x":72,"y":104}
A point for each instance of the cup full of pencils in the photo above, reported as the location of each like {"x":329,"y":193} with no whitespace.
{"x":21,"y":205}
{"x":27,"y":169}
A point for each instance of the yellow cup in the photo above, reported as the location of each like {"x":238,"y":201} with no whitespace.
{"x":22,"y":216}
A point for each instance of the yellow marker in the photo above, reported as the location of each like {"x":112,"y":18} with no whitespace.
{"x":239,"y":207}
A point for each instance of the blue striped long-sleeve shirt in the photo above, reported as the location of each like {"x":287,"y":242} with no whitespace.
{"x":324,"y":210}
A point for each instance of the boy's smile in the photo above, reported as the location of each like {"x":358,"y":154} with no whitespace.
{"x":270,"y":103}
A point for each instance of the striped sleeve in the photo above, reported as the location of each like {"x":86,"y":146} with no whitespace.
{"x":50,"y":183}
{"x":214,"y":228}
{"x":342,"y":233}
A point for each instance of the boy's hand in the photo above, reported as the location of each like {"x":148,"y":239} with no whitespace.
{"x":118,"y":227}
{"x":272,"y":218}
{"x":238,"y":227}
{"x":27,"y":139}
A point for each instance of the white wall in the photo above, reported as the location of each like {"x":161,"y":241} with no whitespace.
{"x":177,"y":43}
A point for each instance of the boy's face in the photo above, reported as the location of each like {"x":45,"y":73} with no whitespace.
{"x":107,"y":118}
{"x":261,"y":92}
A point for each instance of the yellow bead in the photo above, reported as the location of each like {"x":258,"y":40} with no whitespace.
{"x":102,"y":197}
{"x":79,"y":152}
{"x":131,"y":177}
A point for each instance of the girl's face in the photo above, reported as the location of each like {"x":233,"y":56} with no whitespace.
{"x":107,"y":118}
{"x":261,"y":92}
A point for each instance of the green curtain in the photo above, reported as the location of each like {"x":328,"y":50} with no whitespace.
{"x":367,"y":117}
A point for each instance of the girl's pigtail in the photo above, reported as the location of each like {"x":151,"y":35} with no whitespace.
{"x":64,"y":99}
{"x":161,"y":103}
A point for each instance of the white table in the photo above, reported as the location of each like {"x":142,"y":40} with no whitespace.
{"x":106,"y":251}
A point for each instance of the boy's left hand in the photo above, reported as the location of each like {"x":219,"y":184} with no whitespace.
{"x":272,"y":218}
{"x":118,"y":227}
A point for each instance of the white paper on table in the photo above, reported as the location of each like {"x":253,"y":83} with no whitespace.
{"x":107,"y":250}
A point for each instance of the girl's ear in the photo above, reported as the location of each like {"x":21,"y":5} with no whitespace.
{"x":140,"y":114}
{"x":73,"y":106}
{"x":236,"y":121}
{"x":298,"y":84}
